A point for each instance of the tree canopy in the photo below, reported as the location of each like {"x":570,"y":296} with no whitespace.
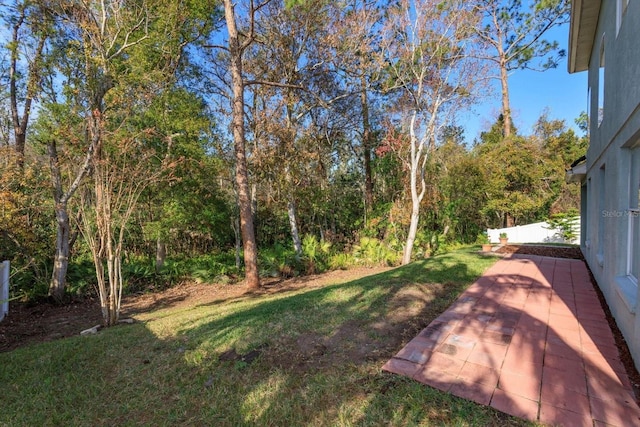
{"x":148,"y":142}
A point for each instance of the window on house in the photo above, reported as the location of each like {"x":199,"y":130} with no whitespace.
{"x":589,"y":101}
{"x":603,"y":214}
{"x":584,"y":211}
{"x":592,"y":198}
{"x":633,"y":245}
{"x":621,"y":10}
{"x":601,"y":84}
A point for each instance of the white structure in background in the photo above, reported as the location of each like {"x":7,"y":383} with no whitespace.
{"x":539,"y":232}
{"x":4,"y":289}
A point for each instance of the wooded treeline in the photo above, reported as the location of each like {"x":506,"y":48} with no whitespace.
{"x":149,"y":141}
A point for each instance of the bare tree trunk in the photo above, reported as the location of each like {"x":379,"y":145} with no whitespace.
{"x":114,"y":268}
{"x":20,"y":123}
{"x":508,"y":220}
{"x":252,"y":279}
{"x":366,"y":146}
{"x":419,"y":156}
{"x":292,"y":212}
{"x":235,"y":223}
{"x":506,"y":106}
{"x":64,"y":238}
{"x":416,"y":198}
{"x":61,"y":258}
{"x":107,"y":250}
{"x":161,"y":254}
{"x":254,"y":200}
{"x":293,"y":222}
{"x":102,"y":288}
{"x":413,"y":230}
{"x":73,"y":236}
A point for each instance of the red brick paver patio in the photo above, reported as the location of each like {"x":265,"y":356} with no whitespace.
{"x":530,"y":339}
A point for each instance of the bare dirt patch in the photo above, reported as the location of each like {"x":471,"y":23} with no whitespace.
{"x":571,"y":252}
{"x":29,"y":323}
{"x":360,"y":341}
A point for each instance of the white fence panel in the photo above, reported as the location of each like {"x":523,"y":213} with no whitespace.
{"x":4,"y":289}
{"x":539,"y":232}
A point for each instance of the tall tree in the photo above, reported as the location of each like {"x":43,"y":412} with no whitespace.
{"x":189,"y":212}
{"x":354,"y":39}
{"x":295,"y":86}
{"x":518,"y":181}
{"x":119,"y":56}
{"x":30,"y":29}
{"x":429,"y":48}
{"x":237,"y":45}
{"x":513,"y":33}
{"x":561,"y":146}
{"x":98,"y":34}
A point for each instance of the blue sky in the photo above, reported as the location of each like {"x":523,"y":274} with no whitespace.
{"x":564,"y":95}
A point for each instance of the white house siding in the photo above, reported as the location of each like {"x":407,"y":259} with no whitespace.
{"x":606,"y":237}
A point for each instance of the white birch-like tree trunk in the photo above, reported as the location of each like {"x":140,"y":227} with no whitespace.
{"x":293,"y":224}
{"x":418,"y":161}
{"x":427,"y":45}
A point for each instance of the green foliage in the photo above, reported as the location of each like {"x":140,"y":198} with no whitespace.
{"x":139,"y":276}
{"x":280,"y":261}
{"x":427,"y":243}
{"x":495,"y":134}
{"x":462,"y":193}
{"x":483,"y":238}
{"x":27,"y":285}
{"x":566,"y":223}
{"x":519,"y":29}
{"x":316,"y":253}
{"x":217,"y":267}
{"x":503,"y":235}
{"x":519,"y":181}
{"x":562,"y":147}
{"x":211,"y":270}
{"x":26,"y":225}
{"x":582,"y":121}
{"x":371,"y":252}
{"x":561,"y":144}
{"x":81,"y":276}
{"x":187,"y":208}
{"x":140,"y":273}
{"x":340,"y":261}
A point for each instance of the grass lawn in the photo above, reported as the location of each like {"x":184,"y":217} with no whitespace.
{"x":305,"y":357}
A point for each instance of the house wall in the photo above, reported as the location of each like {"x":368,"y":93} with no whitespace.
{"x":605,"y":239}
